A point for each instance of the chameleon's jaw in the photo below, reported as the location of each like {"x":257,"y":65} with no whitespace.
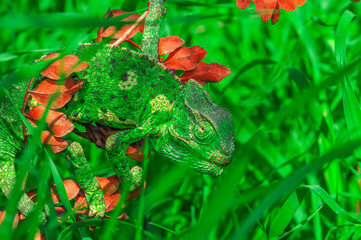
{"x":219,"y":158}
{"x":214,"y":164}
{"x":208,"y":168}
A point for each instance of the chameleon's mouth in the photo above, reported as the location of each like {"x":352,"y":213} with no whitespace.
{"x":208,"y":168}
{"x":219,"y":159}
{"x":214,"y":164}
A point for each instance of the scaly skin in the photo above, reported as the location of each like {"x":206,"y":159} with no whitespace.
{"x":134,"y":93}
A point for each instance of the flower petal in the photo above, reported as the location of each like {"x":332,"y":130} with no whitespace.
{"x":276,"y":14}
{"x":265,"y":8}
{"x":169,"y":44}
{"x":46,"y":89}
{"x":112,"y":30}
{"x":57,"y":122}
{"x":185,"y":58}
{"x":63,"y":67}
{"x":72,"y":189}
{"x":207,"y":72}
{"x":135,"y":153}
{"x":299,"y":3}
{"x":243,"y":4}
{"x":57,"y":144}
{"x":109,"y":185}
{"x":288,"y":5}
{"x":112,"y":201}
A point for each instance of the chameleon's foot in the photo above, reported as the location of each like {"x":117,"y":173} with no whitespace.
{"x":137,"y":178}
{"x":43,"y":218}
{"x":96,"y":203}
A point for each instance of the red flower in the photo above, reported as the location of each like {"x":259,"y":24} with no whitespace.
{"x":58,"y":123}
{"x":114,"y":33}
{"x":188,"y":59}
{"x":270,"y":9}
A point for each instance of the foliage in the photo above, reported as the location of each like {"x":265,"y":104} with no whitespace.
{"x":294,"y":96}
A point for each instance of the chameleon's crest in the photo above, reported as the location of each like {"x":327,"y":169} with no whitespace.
{"x":200,"y":132}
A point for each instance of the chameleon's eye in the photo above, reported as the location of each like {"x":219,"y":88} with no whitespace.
{"x":204,"y":131}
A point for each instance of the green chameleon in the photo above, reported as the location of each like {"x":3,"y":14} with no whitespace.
{"x":128,"y":91}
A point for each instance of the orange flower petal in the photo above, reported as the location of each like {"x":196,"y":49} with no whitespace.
{"x":72,"y":189}
{"x":265,"y":8}
{"x":243,"y":4}
{"x":64,"y":66}
{"x":169,"y":44}
{"x":45,"y":90}
{"x":185,"y":58}
{"x":288,"y":5}
{"x":109,"y":185}
{"x":112,"y":201}
{"x":80,"y":202}
{"x":113,"y":32}
{"x":56,"y":144}
{"x":207,"y":72}
{"x":276,"y":14}
{"x":57,"y":121}
{"x":299,"y":3}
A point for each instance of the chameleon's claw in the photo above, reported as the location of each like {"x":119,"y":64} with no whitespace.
{"x":137,"y":177}
{"x":96,"y":204}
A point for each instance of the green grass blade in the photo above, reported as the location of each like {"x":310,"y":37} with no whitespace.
{"x":307,"y":220}
{"x":350,"y":103}
{"x":284,"y":215}
{"x":292,"y":181}
{"x":329,"y":201}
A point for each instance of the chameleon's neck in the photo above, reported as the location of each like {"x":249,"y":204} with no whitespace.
{"x":152,"y":25}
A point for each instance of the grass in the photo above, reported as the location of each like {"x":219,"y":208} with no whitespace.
{"x":294,"y":97}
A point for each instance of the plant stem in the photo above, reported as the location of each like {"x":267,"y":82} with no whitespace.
{"x":153,"y":22}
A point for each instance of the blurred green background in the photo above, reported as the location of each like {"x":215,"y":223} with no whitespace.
{"x":295,"y":105}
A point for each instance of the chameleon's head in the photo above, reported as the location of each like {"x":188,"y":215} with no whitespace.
{"x":200,"y":133}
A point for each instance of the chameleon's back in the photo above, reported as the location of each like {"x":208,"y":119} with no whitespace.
{"x":120,"y":87}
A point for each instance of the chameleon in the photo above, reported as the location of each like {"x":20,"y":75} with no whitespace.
{"x":138,"y":96}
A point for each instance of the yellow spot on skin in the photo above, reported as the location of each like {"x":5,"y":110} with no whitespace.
{"x":111,"y":117}
{"x":160,"y":103}
{"x":130,"y":82}
{"x":32,"y":102}
{"x":75,"y":97}
{"x":75,"y":118}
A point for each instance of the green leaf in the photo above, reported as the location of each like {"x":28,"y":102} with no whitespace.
{"x":299,"y":79}
{"x":350,"y":104}
{"x":7,"y":57}
{"x":62,"y":20}
{"x":292,"y":181}
{"x":304,"y":222}
{"x":280,"y":221}
{"x":60,"y":187}
{"x":95,"y":222}
{"x":331,"y":203}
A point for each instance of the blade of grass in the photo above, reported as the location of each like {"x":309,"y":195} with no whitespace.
{"x":162,"y":227}
{"x":138,"y":235}
{"x":350,"y":104}
{"x":60,"y":20}
{"x":95,"y":222}
{"x":280,"y":221}
{"x":292,"y":181}
{"x":307,"y":220}
{"x":332,"y":204}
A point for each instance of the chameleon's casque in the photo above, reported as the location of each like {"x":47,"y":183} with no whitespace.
{"x":128,"y":91}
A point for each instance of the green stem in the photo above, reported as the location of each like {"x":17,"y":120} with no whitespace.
{"x":152,"y":25}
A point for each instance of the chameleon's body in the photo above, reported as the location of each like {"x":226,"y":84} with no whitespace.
{"x":128,"y":91}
